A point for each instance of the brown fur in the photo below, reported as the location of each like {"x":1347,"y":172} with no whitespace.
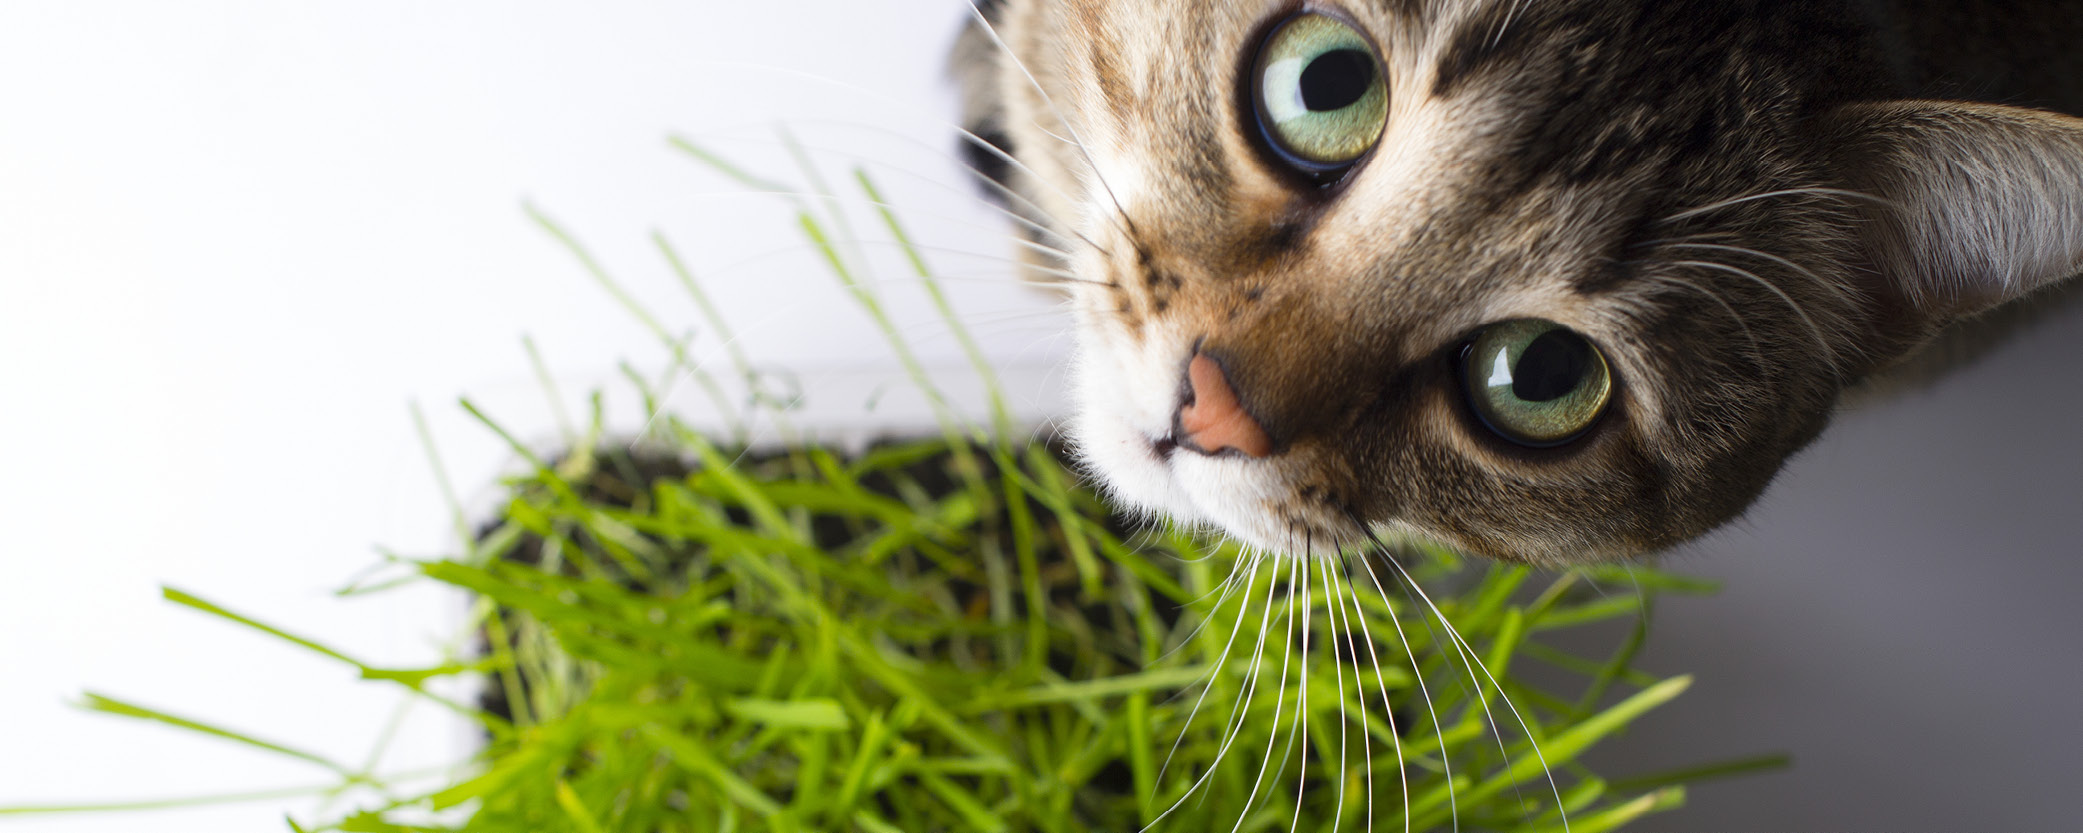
{"x":1592,"y":162}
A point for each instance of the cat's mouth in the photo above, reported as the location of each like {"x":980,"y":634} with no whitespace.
{"x":1259,"y":501}
{"x":1205,"y":462}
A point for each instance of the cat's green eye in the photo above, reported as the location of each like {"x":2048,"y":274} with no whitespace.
{"x":1321,"y":99}
{"x":1535,"y":382}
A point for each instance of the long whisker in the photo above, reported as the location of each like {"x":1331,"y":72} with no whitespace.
{"x":1302,"y":677}
{"x":1055,"y":254}
{"x":1388,"y":710}
{"x":1120,"y":213}
{"x":1786,"y":192}
{"x":1228,"y":586}
{"x":1054,"y":276}
{"x":1822,"y":341}
{"x":1012,"y":195}
{"x":1057,"y":275}
{"x":1469,"y":653}
{"x":1840,"y":290}
{"x":1240,"y":711}
{"x":682,"y":372}
{"x":1757,"y":351}
{"x":946,"y":250}
{"x":1479,"y":696}
{"x":1506,"y":24}
{"x":941,"y":216}
{"x":928,"y":332}
{"x":1438,"y":732}
{"x":1287,"y":652}
{"x":976,"y":175}
{"x":1333,"y":603}
{"x":1251,"y":577}
{"x":1233,"y":726}
{"x":964,"y":132}
{"x":1683,"y":238}
{"x":922,"y":329}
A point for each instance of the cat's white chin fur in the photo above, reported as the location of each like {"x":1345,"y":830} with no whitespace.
{"x":1116,"y":428}
{"x":1124,"y":413}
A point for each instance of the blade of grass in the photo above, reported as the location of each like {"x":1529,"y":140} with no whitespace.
{"x":575,"y":810}
{"x":1753,"y":765}
{"x":186,"y":599}
{"x":1001,"y":418}
{"x":1613,"y":818}
{"x":108,"y":705}
{"x":182,"y":803}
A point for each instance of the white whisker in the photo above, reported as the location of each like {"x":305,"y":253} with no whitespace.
{"x":1756,"y":350}
{"x":1302,"y":702}
{"x":1287,"y":652}
{"x":1120,"y":214}
{"x":1506,"y":24}
{"x":1480,"y":694}
{"x":1843,"y":292}
{"x":1054,"y":276}
{"x":1233,"y":725}
{"x":941,"y":216}
{"x":1438,"y":732}
{"x":964,"y":132}
{"x":1468,"y":652}
{"x":1821,"y":339}
{"x":1388,"y":710}
{"x":1333,"y":603}
{"x":976,"y":175}
{"x":1787,"y":192}
{"x":1228,"y":586}
{"x":1251,"y":577}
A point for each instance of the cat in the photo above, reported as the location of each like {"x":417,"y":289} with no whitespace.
{"x":1548,"y":281}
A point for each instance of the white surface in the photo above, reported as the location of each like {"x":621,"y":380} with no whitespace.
{"x":237,"y":239}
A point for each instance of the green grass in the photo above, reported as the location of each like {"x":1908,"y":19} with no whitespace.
{"x":952,"y":634}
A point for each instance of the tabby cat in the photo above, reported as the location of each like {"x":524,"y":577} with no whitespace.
{"x":1543,"y":280}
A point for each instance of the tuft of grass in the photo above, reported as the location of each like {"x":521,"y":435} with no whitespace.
{"x":953,"y":634}
{"x":801,"y":642}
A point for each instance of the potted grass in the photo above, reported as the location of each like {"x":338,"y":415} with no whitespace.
{"x":944,"y":629}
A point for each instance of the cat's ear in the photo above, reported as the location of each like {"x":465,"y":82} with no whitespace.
{"x":1977,"y":204}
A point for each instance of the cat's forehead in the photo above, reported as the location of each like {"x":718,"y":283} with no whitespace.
{"x":1144,"y":51}
{"x":1161,"y":97}
{"x":1169,"y":75}
{"x":1160,"y":103}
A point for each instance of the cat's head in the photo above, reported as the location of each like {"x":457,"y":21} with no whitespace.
{"x":1543,"y":280}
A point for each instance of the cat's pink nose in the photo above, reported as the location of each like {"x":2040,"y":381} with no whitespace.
{"x":1213,"y":420}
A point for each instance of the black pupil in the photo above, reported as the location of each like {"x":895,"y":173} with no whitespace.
{"x":1336,"y":79}
{"x":1552,"y":366}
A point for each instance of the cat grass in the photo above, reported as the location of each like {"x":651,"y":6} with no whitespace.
{"x":952,"y":633}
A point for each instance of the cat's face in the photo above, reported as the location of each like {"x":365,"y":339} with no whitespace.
{"x":1541,"y":280}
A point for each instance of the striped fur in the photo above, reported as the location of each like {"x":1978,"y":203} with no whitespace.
{"x":1749,"y":206}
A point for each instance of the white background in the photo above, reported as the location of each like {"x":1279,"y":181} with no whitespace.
{"x":237,"y":239}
